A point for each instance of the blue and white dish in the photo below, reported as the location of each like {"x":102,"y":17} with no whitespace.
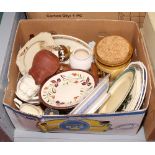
{"x":136,"y":96}
{"x":87,"y":105}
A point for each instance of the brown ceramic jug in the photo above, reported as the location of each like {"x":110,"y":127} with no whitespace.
{"x":44,"y":65}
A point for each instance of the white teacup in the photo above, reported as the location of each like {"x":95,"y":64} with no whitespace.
{"x":26,"y":88}
{"x":81,"y":59}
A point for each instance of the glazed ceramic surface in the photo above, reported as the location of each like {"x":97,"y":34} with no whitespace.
{"x":133,"y":97}
{"x":70,"y":42}
{"x":93,"y":97}
{"x":49,"y":42}
{"x":144,"y":87}
{"x":137,"y":94}
{"x":119,"y":91}
{"x":26,"y":88}
{"x":113,"y":71}
{"x":81,"y":59}
{"x":31,"y":109}
{"x":26,"y":54}
{"x":45,"y":64}
{"x":67,"y":89}
{"x":28,"y":108}
{"x":100,"y":101}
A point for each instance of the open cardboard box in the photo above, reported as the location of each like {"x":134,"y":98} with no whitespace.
{"x":87,"y":30}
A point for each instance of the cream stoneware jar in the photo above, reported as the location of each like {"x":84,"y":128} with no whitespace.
{"x":81,"y":59}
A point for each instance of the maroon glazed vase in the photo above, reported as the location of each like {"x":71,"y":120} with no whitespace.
{"x":44,"y":65}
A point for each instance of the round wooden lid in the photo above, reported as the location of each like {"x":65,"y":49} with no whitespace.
{"x":113,"y":51}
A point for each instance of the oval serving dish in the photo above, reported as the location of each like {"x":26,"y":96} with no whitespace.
{"x":119,"y":91}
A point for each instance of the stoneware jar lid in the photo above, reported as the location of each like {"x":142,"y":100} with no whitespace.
{"x":113,"y":51}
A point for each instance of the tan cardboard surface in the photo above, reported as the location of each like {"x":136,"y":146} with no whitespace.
{"x":71,"y":15}
{"x":130,"y":16}
{"x":149,"y":125}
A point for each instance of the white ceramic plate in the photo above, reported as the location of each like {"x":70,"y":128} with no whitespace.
{"x":31,"y":109}
{"x":119,"y":91}
{"x":72,"y":43}
{"x":97,"y":104}
{"x":138,"y":90}
{"x":135,"y":91}
{"x":45,"y":40}
{"x":144,"y":87}
{"x":67,"y":89}
{"x":92,"y":98}
{"x":26,"y":54}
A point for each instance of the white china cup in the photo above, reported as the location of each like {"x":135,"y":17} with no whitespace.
{"x":81,"y":59}
{"x":26,"y":88}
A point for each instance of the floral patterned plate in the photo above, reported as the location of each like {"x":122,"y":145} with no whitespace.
{"x":67,"y":89}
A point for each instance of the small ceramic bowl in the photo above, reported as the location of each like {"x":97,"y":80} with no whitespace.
{"x":31,"y":109}
{"x":81,"y":59}
{"x":28,"y":108}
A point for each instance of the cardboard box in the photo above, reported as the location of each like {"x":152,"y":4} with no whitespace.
{"x":142,"y":19}
{"x":72,"y":15}
{"x":127,"y":18}
{"x":114,"y":123}
{"x":87,"y":15}
{"x":149,"y":36}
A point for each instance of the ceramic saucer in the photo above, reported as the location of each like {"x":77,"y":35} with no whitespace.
{"x":67,"y":89}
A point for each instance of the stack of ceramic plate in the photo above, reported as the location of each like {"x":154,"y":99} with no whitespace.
{"x":96,"y":98}
{"x":136,"y":96}
{"x":118,"y":91}
{"x":128,"y":90}
{"x":113,"y":54}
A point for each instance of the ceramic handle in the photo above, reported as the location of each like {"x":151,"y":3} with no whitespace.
{"x":18,"y":103}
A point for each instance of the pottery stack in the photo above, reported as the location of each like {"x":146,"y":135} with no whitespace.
{"x":113,"y":54}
